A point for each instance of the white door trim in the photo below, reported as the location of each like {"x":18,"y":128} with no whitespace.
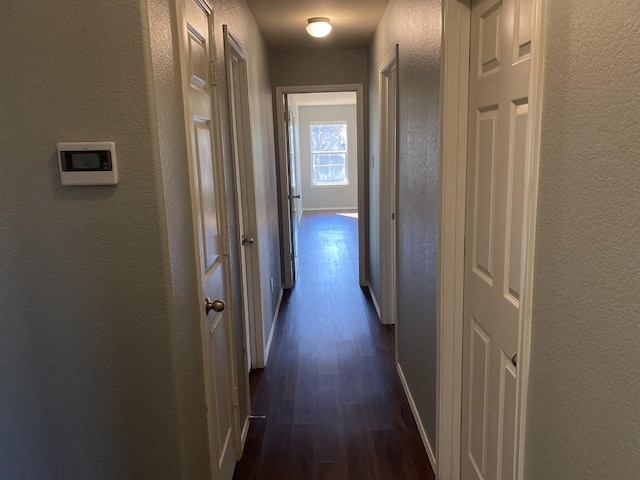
{"x":453,"y":168}
{"x":246,"y":222}
{"x":282,"y":171}
{"x":388,"y":190}
{"x":453,"y":150}
{"x":534,"y":135}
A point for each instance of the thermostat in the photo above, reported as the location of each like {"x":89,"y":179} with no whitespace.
{"x":88,"y":163}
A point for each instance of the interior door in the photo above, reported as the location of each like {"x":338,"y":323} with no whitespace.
{"x":208,"y":203}
{"x":242,"y":154}
{"x":392,"y":86}
{"x":498,"y":111}
{"x":242,"y":202}
{"x":294,"y":191}
{"x":388,"y":187}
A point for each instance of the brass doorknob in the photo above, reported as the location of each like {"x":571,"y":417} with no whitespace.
{"x":216,"y":305}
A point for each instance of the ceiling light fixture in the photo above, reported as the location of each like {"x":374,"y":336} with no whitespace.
{"x":318,"y":27}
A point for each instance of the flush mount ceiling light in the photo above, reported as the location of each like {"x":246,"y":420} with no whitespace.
{"x":318,"y":27}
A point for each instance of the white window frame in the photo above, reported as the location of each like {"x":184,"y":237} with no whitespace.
{"x":314,"y":184}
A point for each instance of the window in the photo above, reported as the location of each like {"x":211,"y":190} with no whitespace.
{"x":329,"y":153}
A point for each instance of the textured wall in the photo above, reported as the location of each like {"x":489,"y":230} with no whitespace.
{"x":86,"y":389}
{"x":330,"y":196}
{"x":185,"y":292}
{"x":416,"y":26}
{"x":241,"y":24}
{"x":583,"y":417}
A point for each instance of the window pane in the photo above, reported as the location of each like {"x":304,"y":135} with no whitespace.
{"x":329,"y":168}
{"x":328,"y":137}
{"x":329,"y":174}
{"x":328,"y":159}
{"x":329,"y":153}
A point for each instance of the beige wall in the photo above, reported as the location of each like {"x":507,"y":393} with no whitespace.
{"x":318,"y":67}
{"x":583,"y":420}
{"x":86,"y":388}
{"x":99,"y":352}
{"x":416,"y":26}
{"x":183,"y":298}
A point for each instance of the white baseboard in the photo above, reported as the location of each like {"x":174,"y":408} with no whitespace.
{"x":243,"y":435}
{"x":273,"y":327}
{"x":375,"y":302}
{"x":416,"y":416}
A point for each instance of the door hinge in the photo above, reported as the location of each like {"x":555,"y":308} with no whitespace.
{"x":225,"y":245}
{"x":236,"y":401}
{"x":214,"y":73}
{"x":393,"y":215}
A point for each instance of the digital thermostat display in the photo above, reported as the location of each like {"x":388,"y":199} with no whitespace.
{"x":86,"y":161}
{"x":89,"y":163}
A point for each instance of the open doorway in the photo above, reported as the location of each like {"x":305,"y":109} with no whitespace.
{"x":321,"y":162}
{"x":323,"y":155}
{"x":325,"y":151}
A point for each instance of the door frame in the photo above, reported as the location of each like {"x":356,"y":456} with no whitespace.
{"x":388,"y":191}
{"x":244,"y":186}
{"x":295,"y":202}
{"x":358,"y":88}
{"x":454,"y":94}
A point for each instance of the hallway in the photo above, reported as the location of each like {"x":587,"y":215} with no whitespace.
{"x":335,"y":406}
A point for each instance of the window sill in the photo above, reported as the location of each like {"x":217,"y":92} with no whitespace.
{"x":325,"y":185}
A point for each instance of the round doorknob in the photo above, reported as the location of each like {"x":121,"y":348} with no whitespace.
{"x":216,"y":305}
{"x":514,"y":359}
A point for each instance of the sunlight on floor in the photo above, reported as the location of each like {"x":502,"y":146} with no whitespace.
{"x":349,"y":214}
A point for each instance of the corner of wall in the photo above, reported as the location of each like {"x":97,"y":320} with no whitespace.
{"x":418,"y":189}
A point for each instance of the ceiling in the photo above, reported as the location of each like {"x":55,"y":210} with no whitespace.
{"x":283,"y":22}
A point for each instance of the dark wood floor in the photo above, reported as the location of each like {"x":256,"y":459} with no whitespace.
{"x":334,"y":403}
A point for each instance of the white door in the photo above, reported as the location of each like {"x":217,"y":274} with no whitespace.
{"x":294,"y":191}
{"x":498,"y":111}
{"x":242,"y":150}
{"x":208,"y":202}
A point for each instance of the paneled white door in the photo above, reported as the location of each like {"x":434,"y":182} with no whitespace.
{"x":498,"y":113}
{"x":236,"y":60}
{"x":207,"y":184}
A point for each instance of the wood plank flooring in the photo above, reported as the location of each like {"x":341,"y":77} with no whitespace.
{"x":334,"y":403}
